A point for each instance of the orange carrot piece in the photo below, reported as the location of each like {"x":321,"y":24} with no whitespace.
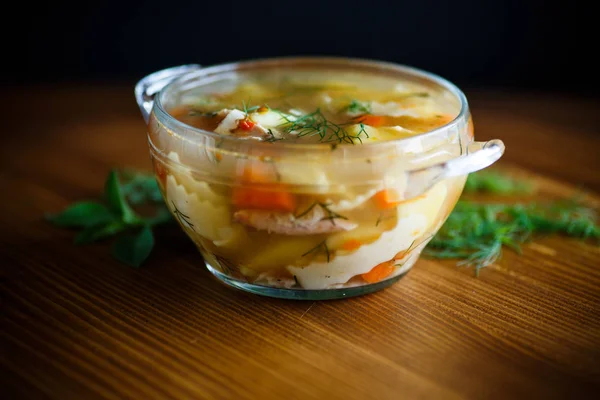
{"x":379,"y":272}
{"x":246,"y":125}
{"x":372,"y":120}
{"x":387,"y":198}
{"x":351,"y":244}
{"x":259,"y":199}
{"x":267,"y":195}
{"x":401,"y":254}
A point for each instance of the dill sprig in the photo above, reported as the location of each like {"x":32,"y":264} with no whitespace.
{"x":183,"y":219}
{"x":247,"y":109}
{"x":477,"y":233}
{"x":321,"y":246}
{"x":316,"y":124}
{"x":358,"y":107}
{"x":330,"y":214}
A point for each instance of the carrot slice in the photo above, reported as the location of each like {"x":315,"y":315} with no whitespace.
{"x":351,"y":244}
{"x":379,"y":272}
{"x":372,"y":120}
{"x":387,"y":198}
{"x":266,"y":195}
{"x":401,"y":254}
{"x":246,"y":125}
{"x":258,"y":199}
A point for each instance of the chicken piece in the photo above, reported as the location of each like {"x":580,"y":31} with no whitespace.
{"x":230,"y":125}
{"x":230,"y":121}
{"x":314,"y":222}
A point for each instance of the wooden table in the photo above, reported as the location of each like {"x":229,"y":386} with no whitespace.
{"x":78,"y":325}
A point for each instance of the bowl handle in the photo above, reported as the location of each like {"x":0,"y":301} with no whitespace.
{"x":150,"y":85}
{"x":479,"y":155}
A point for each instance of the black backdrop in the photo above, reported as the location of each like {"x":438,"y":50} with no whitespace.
{"x":533,"y":45}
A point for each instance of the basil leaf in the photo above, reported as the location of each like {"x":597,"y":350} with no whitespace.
{"x":92,"y":233}
{"x":116,"y":200}
{"x":82,"y":215}
{"x":141,"y":188}
{"x":134,"y":249}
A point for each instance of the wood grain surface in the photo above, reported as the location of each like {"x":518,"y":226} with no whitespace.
{"x":78,"y":325}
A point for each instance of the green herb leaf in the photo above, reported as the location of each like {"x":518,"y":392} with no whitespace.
{"x":316,"y":124}
{"x":140,"y":188}
{"x":478,"y":232}
{"x":97,"y":232}
{"x":116,"y":200}
{"x":81,"y":215}
{"x":358,"y":107}
{"x":133,"y":250}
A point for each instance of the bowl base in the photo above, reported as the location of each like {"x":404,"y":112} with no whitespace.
{"x":303,"y":294}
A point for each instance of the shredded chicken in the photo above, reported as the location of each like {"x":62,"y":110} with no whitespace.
{"x":230,"y":126}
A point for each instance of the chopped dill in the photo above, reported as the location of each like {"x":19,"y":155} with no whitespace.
{"x":184,"y":219}
{"x":227,"y":266}
{"x":331,"y":215}
{"x":247,"y":109}
{"x":316,"y":124}
{"x":358,"y":107}
{"x":322,"y":245}
{"x":309,"y":209}
{"x":406,"y":252}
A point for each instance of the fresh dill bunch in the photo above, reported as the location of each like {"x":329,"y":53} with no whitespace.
{"x":316,"y":124}
{"x":478,"y":232}
{"x":495,"y":183}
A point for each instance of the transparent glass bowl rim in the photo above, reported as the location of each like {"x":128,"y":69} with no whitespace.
{"x":177,"y":126}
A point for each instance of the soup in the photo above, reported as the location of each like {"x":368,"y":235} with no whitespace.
{"x":309,"y":224}
{"x":305,"y":108}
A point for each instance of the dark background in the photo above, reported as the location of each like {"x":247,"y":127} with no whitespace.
{"x":530,"y":45}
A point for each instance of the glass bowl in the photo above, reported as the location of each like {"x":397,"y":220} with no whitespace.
{"x":203,"y":176}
